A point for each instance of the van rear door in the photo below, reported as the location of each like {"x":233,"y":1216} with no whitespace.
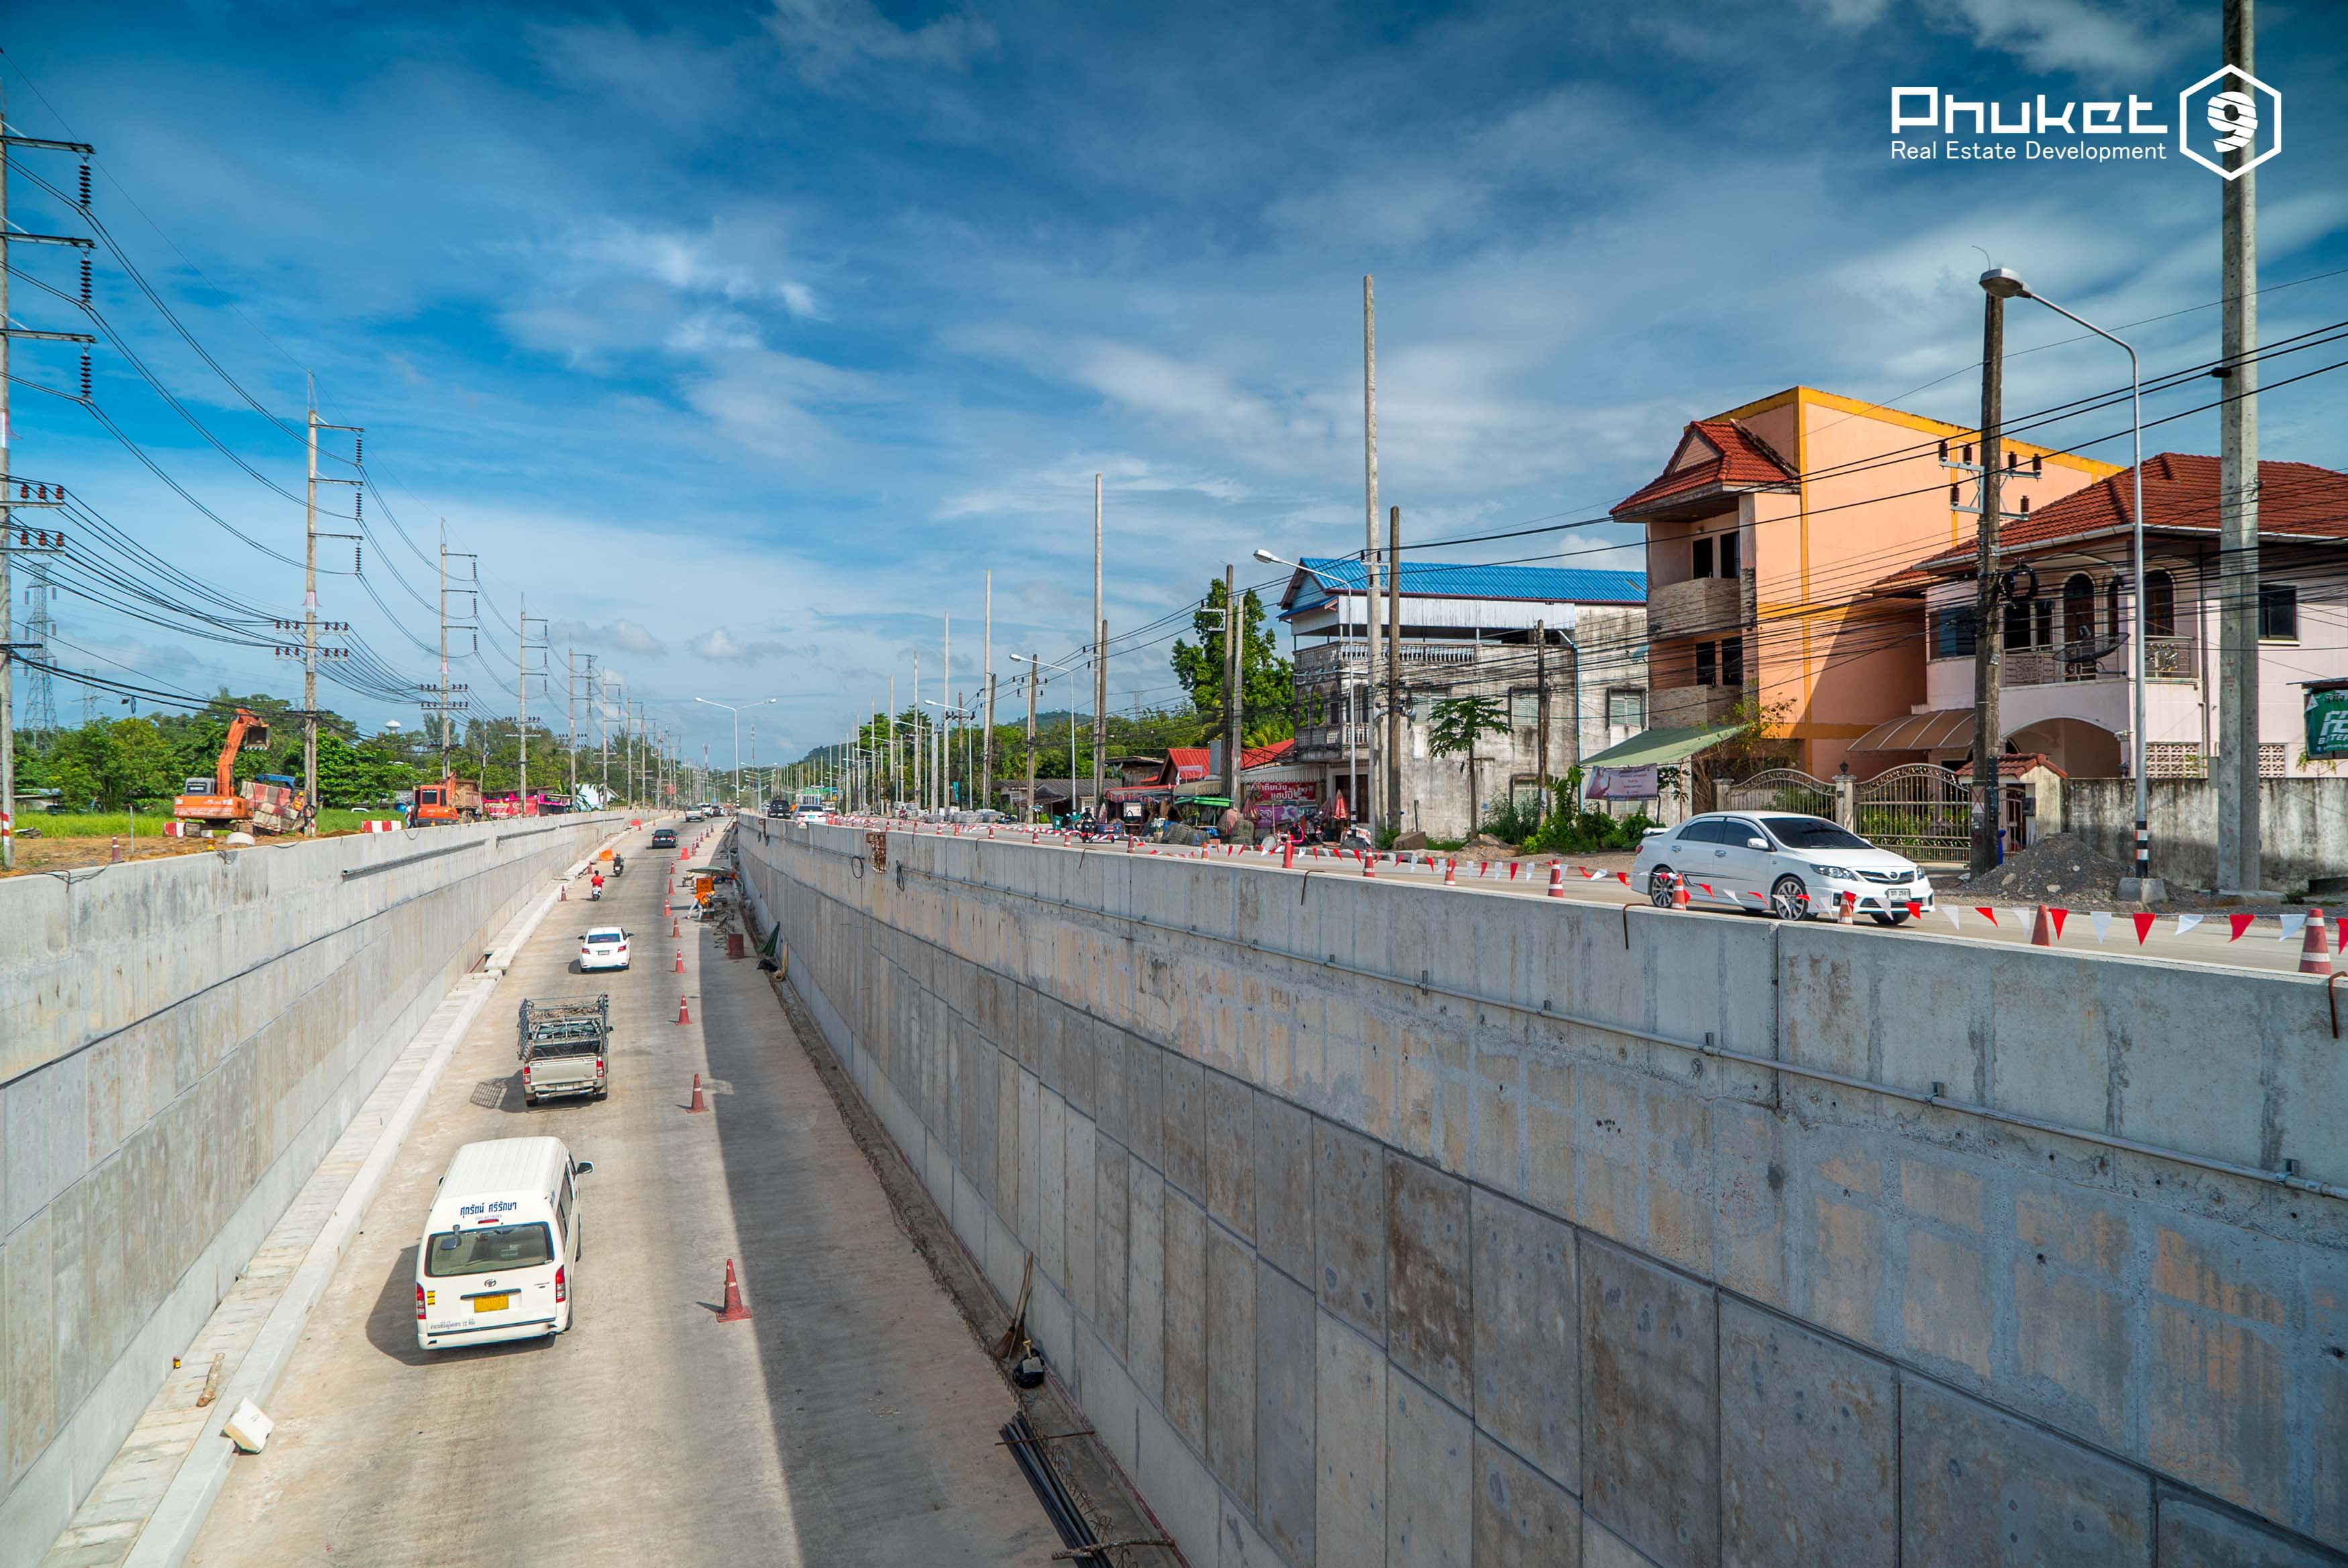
{"x":480,"y":1279}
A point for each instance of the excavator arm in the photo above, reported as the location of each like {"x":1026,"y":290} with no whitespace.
{"x":247,"y":728}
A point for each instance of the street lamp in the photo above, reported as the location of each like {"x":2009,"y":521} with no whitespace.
{"x":2003,"y":283}
{"x":947,"y":715}
{"x":1370,"y":729}
{"x":1035,"y":675}
{"x":736,"y":711}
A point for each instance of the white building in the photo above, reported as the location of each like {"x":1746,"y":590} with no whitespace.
{"x":1564,"y":647}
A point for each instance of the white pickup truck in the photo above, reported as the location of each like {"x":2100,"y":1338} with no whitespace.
{"x":562,"y":1048}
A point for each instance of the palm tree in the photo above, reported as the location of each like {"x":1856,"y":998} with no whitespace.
{"x":1457,"y":724}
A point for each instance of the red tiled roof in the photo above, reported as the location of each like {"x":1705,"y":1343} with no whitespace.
{"x":2180,"y":496}
{"x":2012,"y":765}
{"x":1265,"y":757}
{"x":1729,"y":456}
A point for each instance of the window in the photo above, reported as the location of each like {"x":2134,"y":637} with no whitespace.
{"x":1952,"y":633}
{"x":2030,"y":624}
{"x":1524,"y":709}
{"x":487,"y":1249}
{"x":562,"y":1210}
{"x":1732,"y":661}
{"x":1702,"y":830}
{"x":1706,"y":665}
{"x":1736,"y":831}
{"x":1703,"y":558}
{"x":1728,"y":562}
{"x":1814,"y":833}
{"x":2277,"y":613}
{"x":2160,"y":604}
{"x":1627,"y":709}
{"x":2078,"y":610}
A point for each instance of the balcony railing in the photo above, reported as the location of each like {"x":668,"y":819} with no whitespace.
{"x":2165,"y":658}
{"x":1326,"y":659}
{"x":1695,"y":605}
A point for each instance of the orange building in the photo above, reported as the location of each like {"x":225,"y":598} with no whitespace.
{"x":1770,"y":534}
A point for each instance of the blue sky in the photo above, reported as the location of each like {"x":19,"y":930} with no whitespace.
{"x":745,"y":340}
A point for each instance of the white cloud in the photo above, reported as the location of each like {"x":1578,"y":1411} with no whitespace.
{"x":2096,"y":40}
{"x":824,"y":38}
{"x":625,"y":636}
{"x":719,"y":644}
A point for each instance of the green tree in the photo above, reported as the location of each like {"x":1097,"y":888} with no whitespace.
{"x":1267,"y":681}
{"x":1456,"y":724}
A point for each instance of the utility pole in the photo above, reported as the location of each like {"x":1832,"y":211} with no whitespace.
{"x":2237,"y":761}
{"x":946,"y":723}
{"x":522,"y":618}
{"x":310,"y":631}
{"x":896,"y":781}
{"x":1369,"y":800}
{"x":603,"y":725}
{"x":1394,"y":668}
{"x":1232,"y":632}
{"x":1989,"y":633}
{"x":916,"y":742}
{"x":1100,"y":668}
{"x":986,"y":744}
{"x":571,"y":713}
{"x":1540,"y":716}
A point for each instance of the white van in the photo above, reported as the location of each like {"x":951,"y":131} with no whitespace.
{"x":500,"y":1257}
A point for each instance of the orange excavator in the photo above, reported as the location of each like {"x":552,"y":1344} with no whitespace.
{"x":216,"y":802}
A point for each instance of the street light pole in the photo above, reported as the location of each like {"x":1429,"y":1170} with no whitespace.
{"x":736,"y":711}
{"x":2002,"y":283}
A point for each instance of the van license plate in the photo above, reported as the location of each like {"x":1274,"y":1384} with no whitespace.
{"x":492,"y":1303}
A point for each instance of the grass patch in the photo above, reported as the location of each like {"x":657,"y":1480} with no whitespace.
{"x":150,"y":823}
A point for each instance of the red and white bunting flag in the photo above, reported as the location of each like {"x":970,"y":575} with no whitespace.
{"x":2021,"y":918}
{"x":1986,"y":913}
{"x":2058,"y":916}
{"x":1588,"y":875}
{"x":1956,"y":921}
{"x":1915,"y":910}
{"x":1708,"y":890}
{"x":2294,"y":926}
{"x":2186,"y":922}
{"x":1623,"y":877}
{"x":2144,"y":920}
{"x":2241,"y":923}
{"x":2102,"y":923}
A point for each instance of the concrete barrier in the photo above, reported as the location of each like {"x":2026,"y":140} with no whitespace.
{"x":180,"y":1041}
{"x":1374,"y":1222}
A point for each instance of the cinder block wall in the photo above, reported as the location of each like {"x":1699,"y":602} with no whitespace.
{"x":1374,"y":1223}
{"x":181,"y":1042}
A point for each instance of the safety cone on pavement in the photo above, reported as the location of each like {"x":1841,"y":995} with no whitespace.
{"x":699,"y":1104}
{"x":2314,"y":952}
{"x":1844,"y":903}
{"x":1369,"y":865}
{"x":735,"y":1312}
{"x":1556,"y":878}
{"x":562,"y":894}
{"x":1450,"y":872}
{"x":680,"y":960}
{"x":1679,"y":893}
{"x":2042,"y":931}
{"x":683,"y":1013}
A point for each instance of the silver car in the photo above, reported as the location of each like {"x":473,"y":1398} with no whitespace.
{"x":1778,"y":863}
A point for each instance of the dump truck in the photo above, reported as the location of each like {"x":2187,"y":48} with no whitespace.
{"x":451,"y":800}
{"x":562,"y":1048}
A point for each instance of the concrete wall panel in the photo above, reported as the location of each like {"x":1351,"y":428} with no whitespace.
{"x":1231,"y":1364}
{"x":1230,"y":1153}
{"x":1651,"y":1405}
{"x":1523,"y":1519}
{"x":1430,"y":1487}
{"x":1978,"y":1488}
{"x":1429,"y":1319}
{"x":1349,"y":1405}
{"x":1810,"y":1442}
{"x":1528,"y":1348}
{"x":1145,"y":1326}
{"x":1284,"y":1433}
{"x":1185,"y":1284}
{"x":1349,"y":1229}
{"x":1283,"y":1178}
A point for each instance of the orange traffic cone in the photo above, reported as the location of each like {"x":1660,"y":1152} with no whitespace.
{"x":1844,"y":903}
{"x":1288,"y":854}
{"x":672,"y":930}
{"x":1450,"y":873}
{"x":1679,"y":893}
{"x":699,"y":1104}
{"x":735,"y":1312}
{"x":680,"y":960}
{"x":2042,"y":930}
{"x":562,"y":894}
{"x":683,"y":1013}
{"x":1369,"y":863}
{"x":1556,"y":878}
{"x":2314,"y":952}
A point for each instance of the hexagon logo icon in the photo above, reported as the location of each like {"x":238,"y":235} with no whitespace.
{"x":2229,"y":110}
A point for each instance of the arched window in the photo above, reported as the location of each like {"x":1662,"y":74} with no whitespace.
{"x":2078,"y":610}
{"x":2159,"y":605}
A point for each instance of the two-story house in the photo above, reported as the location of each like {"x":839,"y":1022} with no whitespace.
{"x":1771,"y":533}
{"x":2067,"y":690}
{"x":1564,"y":648}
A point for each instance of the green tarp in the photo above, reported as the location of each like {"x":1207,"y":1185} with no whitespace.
{"x":1660,"y":747}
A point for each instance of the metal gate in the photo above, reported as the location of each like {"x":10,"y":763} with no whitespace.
{"x":1921,"y":810}
{"x":1780,"y":789}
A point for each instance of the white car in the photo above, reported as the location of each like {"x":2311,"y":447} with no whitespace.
{"x":604,"y":948}
{"x":809,"y":813}
{"x":1779,"y":863}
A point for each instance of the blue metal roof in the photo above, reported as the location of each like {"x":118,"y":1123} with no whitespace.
{"x":1454,"y":579}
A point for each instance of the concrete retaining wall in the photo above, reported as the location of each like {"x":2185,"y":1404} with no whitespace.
{"x":1350,"y":1269}
{"x":2303,"y":826}
{"x":181,"y":1042}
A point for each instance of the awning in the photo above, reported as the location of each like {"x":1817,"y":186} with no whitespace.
{"x":1941,"y":730}
{"x":1662,"y":745}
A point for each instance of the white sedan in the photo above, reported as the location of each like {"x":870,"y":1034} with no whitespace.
{"x":1778,"y":863}
{"x":605,"y":947}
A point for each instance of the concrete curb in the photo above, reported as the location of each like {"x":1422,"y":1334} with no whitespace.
{"x":171,"y":1530}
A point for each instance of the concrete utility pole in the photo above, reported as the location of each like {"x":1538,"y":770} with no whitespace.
{"x":7,"y":541}
{"x":1367,"y":806}
{"x":571,"y":713}
{"x":522,"y":699}
{"x":1100,"y":667}
{"x":986,"y":745}
{"x":1989,"y":639}
{"x":1033,"y":682}
{"x":896,"y":785}
{"x":1394,"y":668}
{"x":310,"y":631}
{"x":916,"y":742}
{"x":1233,"y":629}
{"x":1540,"y":716}
{"x":946,"y":723}
{"x":2237,"y":761}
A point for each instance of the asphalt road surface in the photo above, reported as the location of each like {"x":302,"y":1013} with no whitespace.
{"x":852,"y":1421}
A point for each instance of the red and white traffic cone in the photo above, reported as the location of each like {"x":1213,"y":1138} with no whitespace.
{"x":1679,"y":893}
{"x":2314,"y":952}
{"x":699,"y":1104}
{"x":683,"y":1013}
{"x":680,"y":960}
{"x":1450,"y":873}
{"x":563,"y":892}
{"x":1844,"y":903}
{"x":672,"y":930}
{"x":2042,"y":929}
{"x":1556,"y":878}
{"x":1369,"y":863}
{"x":1288,"y":854}
{"x":734,"y":1311}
